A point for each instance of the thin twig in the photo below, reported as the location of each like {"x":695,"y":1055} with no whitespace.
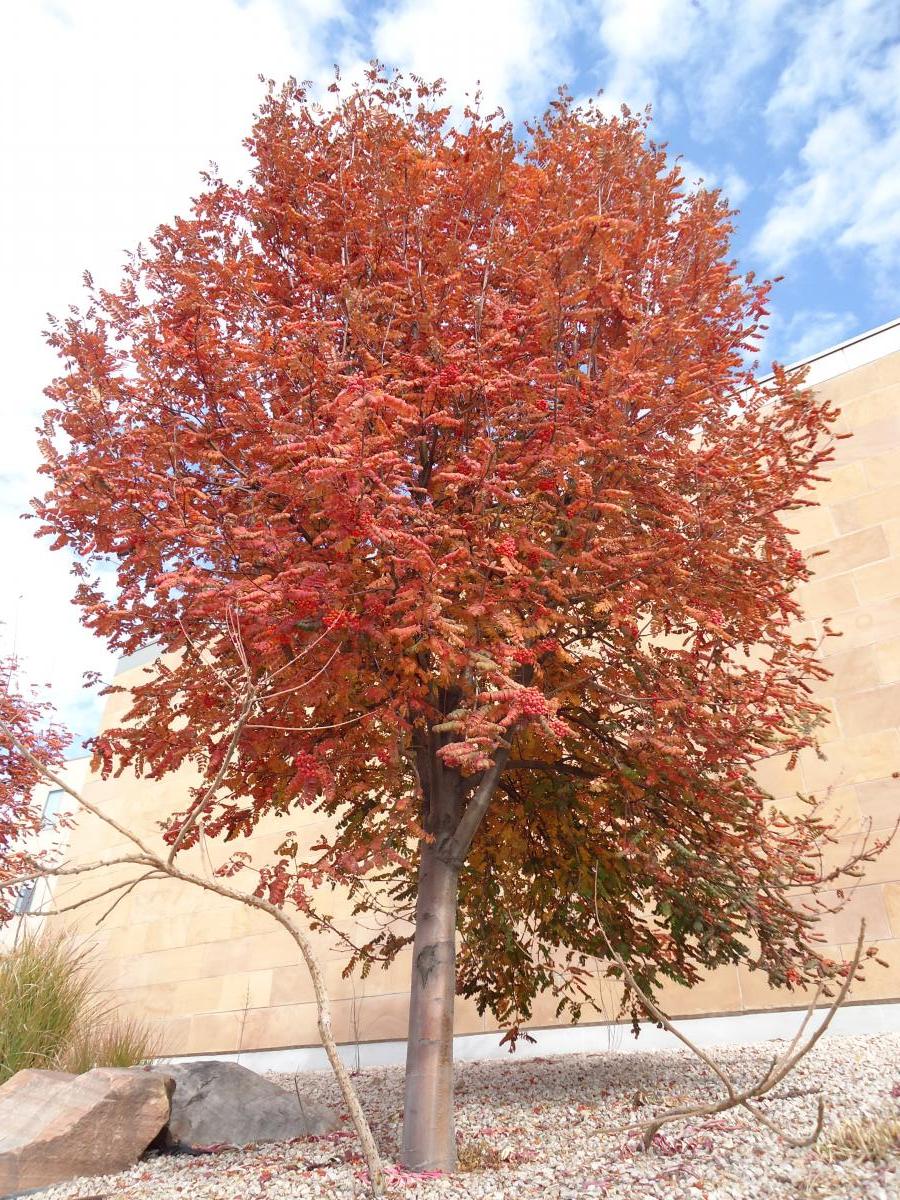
{"x":165,"y":866}
{"x":780,"y":1066}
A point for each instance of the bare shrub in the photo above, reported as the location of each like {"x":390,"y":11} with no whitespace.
{"x":736,"y":1096}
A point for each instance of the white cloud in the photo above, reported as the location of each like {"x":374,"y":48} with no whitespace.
{"x":843,"y":88}
{"x":692,"y":55}
{"x":810,"y":331}
{"x":642,"y":39}
{"x":742,"y":36}
{"x":833,"y":45}
{"x":110,"y":110}
{"x":512,"y":48}
{"x":732,"y":184}
{"x":803,"y":334}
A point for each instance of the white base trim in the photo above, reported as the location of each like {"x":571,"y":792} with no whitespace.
{"x":580,"y":1039}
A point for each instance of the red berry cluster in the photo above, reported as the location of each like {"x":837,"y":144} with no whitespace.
{"x":533,"y":703}
{"x":305,"y":765}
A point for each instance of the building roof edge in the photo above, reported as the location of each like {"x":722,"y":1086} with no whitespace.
{"x":857,"y":351}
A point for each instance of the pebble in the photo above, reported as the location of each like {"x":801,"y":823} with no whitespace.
{"x":554,"y":1121}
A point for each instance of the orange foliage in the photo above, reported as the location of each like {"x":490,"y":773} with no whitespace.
{"x":463,"y":431}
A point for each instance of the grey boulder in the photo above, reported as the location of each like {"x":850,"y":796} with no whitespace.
{"x":55,"y":1126}
{"x":222,"y":1103}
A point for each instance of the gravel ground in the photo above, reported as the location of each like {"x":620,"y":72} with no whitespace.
{"x":545,"y":1119}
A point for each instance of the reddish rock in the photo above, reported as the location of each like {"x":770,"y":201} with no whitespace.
{"x":55,"y":1127}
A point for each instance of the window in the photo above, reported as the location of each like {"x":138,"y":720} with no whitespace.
{"x":51,"y":807}
{"x":24,"y":898}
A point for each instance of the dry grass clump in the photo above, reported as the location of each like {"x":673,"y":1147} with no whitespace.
{"x":51,"y":1016}
{"x":116,"y":1042}
{"x":479,"y":1155}
{"x":863,"y":1139}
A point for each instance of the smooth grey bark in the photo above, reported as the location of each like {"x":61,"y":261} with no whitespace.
{"x":429,"y":1131}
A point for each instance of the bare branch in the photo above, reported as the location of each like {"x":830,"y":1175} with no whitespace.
{"x":60,"y":783}
{"x":164,"y":867}
{"x":458,"y":846}
{"x":47,"y":870}
{"x":126,"y":891}
{"x":780,"y":1066}
{"x":306,"y":682}
{"x":551,"y":768}
{"x":124,"y":887}
{"x":314,"y":728}
{"x":199,"y":805}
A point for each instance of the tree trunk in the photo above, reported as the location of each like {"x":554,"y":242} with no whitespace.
{"x":429,"y":1131}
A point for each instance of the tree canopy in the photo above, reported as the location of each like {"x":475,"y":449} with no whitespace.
{"x":462,"y":432}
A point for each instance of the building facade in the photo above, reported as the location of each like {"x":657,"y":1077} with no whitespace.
{"x":54,"y":803}
{"x":217,"y":977}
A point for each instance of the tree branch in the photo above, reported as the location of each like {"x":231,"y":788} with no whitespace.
{"x":552,"y":768}
{"x":60,"y":783}
{"x":198,"y":807}
{"x":164,"y":866}
{"x":457,"y":847}
{"x":780,"y":1066}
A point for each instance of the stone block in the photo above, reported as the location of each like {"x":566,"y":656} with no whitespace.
{"x":844,"y":389}
{"x":881,"y":470}
{"x":873,"y":404}
{"x":839,"y":806}
{"x":878,"y":708}
{"x":892,"y":904}
{"x":879,"y":983}
{"x":55,"y":1127}
{"x":879,"y":802}
{"x":810,"y":525}
{"x":219,"y":1033}
{"x":827,"y":597}
{"x":776,"y":777}
{"x":718,"y":992}
{"x":757,"y":993}
{"x":853,"y":550}
{"x":292,"y":1025}
{"x":844,"y":483}
{"x":888,"y":658}
{"x":869,"y":626}
{"x":870,"y":509}
{"x":869,"y":441}
{"x":851,"y":671}
{"x":878,"y":581}
{"x":863,"y":903}
{"x":853,"y":760}
{"x":884,"y":868}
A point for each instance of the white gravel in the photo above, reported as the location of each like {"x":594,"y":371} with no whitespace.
{"x":547,"y":1117}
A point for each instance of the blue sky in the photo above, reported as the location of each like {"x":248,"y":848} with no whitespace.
{"x":110,"y":108}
